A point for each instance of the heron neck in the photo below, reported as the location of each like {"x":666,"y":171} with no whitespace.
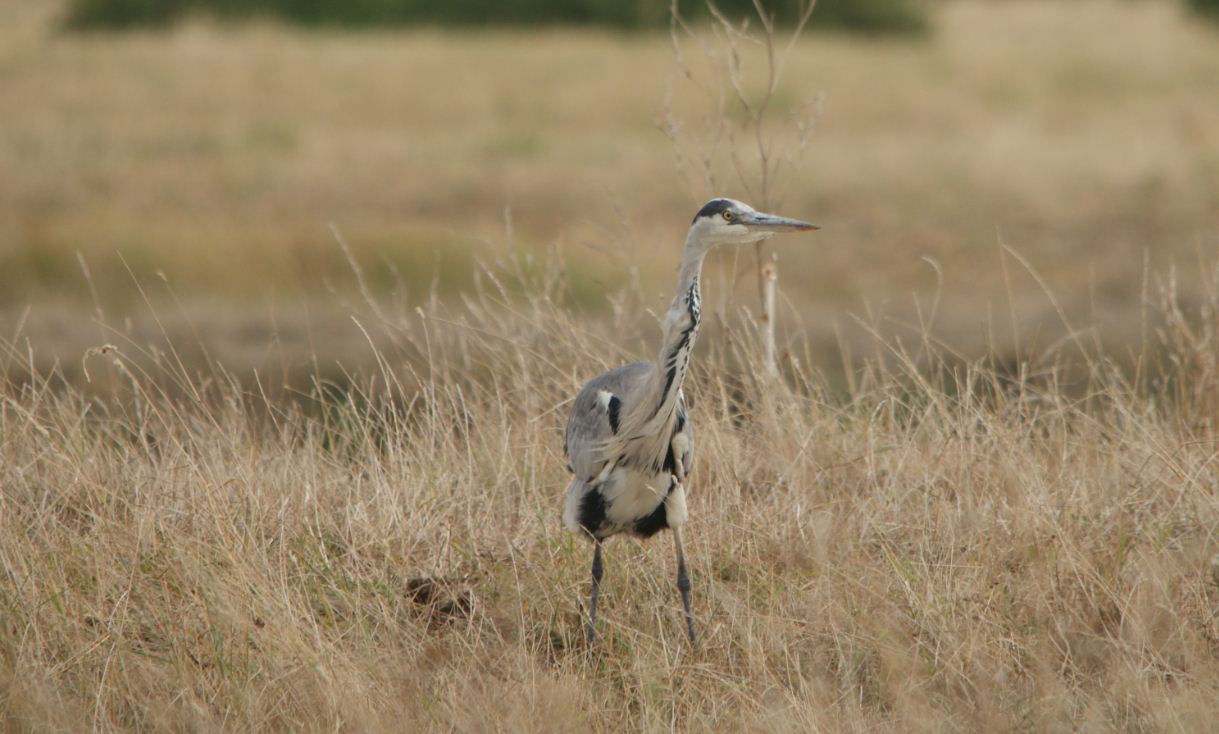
{"x":680,"y":327}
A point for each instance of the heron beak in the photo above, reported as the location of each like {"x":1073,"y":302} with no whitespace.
{"x":771,"y":223}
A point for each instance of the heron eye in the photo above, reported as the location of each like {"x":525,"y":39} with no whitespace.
{"x":728,"y":216}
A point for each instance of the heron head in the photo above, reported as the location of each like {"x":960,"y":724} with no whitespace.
{"x":731,"y":222}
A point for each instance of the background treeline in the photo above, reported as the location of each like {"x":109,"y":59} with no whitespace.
{"x":1205,"y":7}
{"x":866,"y":16}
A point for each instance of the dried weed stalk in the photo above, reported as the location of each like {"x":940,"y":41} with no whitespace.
{"x":733,"y":142}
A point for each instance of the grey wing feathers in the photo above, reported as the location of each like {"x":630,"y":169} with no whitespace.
{"x":595,"y":416}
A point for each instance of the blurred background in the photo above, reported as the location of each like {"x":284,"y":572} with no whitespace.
{"x":179,"y":169}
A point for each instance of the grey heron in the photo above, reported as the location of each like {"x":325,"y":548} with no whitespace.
{"x":629,"y":441}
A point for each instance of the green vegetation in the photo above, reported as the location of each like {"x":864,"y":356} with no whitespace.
{"x":1208,"y":8}
{"x":868,"y":16}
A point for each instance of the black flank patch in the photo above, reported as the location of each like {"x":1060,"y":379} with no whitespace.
{"x":646,"y":527}
{"x":712,"y":208}
{"x":592,"y":511}
{"x":615,"y":406}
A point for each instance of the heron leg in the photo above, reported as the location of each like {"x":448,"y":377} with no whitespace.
{"x":683,"y":585}
{"x":592,"y":599}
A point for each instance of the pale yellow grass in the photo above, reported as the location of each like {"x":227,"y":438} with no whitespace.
{"x":1025,"y":541}
{"x":928,"y":553}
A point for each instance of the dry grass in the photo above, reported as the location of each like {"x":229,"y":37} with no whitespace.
{"x":1081,"y":131}
{"x":1017,"y":532}
{"x":941,"y":549}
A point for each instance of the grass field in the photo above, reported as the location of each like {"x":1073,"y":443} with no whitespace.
{"x":315,"y":489}
{"x":935,"y":552}
{"x":1079,"y":133}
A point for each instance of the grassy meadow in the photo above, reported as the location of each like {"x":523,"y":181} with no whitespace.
{"x":290,"y":320}
{"x":218,"y":158}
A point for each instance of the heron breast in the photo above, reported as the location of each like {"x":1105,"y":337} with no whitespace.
{"x":631,"y":494}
